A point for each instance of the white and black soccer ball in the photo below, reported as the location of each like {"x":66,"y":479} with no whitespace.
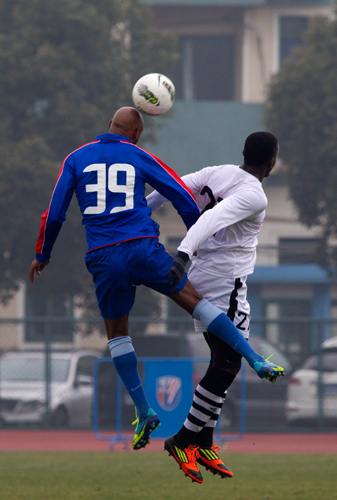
{"x":153,"y":94}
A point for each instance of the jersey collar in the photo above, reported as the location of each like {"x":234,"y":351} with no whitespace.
{"x":112,"y":137}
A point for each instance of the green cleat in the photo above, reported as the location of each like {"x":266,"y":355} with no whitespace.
{"x":144,"y":428}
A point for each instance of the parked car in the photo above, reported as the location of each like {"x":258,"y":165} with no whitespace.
{"x":265,"y":402}
{"x":23,"y":391}
{"x":303,"y":406}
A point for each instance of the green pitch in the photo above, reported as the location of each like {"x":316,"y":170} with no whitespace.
{"x":155,"y":476}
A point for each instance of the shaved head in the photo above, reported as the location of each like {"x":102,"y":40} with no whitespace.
{"x":129,"y":122}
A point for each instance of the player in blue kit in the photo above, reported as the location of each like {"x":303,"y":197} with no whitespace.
{"x":108,"y":176}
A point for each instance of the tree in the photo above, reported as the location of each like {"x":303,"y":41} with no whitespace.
{"x":65,"y":67}
{"x":302,"y":112}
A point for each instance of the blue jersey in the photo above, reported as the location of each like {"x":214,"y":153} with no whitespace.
{"x":109,"y":177}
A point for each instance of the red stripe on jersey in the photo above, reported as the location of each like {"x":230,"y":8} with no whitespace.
{"x":123,"y":241}
{"x":40,"y":239}
{"x":168,"y":169}
{"x":44,"y":217}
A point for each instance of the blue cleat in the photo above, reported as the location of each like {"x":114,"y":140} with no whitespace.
{"x":268,"y":371}
{"x":144,"y":428}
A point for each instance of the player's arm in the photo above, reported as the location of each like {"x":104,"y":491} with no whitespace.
{"x":53,"y":219}
{"x":171,"y":187}
{"x":193,"y":181}
{"x":233,"y":209}
{"x":155,"y":200}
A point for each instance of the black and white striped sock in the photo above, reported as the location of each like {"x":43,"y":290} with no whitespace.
{"x":214,"y":418}
{"x":205,"y":410}
{"x":206,"y":407}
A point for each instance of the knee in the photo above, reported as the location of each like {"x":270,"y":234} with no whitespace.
{"x":232,"y":371}
{"x":116,"y":327}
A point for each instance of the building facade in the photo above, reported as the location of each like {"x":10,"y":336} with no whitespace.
{"x":228,"y":52}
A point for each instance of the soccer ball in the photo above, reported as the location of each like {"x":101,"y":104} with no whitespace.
{"x":153,"y":94}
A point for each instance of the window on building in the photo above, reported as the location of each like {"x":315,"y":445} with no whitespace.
{"x":206,"y":68}
{"x":292,"y":29}
{"x":38,"y":305}
{"x":298,"y":250}
{"x":293,"y":338}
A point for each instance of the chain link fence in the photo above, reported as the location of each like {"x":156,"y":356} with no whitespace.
{"x":46,"y":372}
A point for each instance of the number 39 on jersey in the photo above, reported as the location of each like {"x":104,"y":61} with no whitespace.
{"x":109,"y":183}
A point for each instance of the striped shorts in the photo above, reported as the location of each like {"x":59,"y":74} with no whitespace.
{"x":227,"y":293}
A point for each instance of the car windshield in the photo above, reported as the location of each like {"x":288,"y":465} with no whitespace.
{"x":329,"y":362}
{"x":33,"y":370}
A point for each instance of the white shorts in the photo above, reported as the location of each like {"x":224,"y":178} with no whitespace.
{"x":225,"y":292}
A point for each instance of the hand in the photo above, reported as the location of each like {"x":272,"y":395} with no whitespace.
{"x":177,"y":271}
{"x":36,"y":267}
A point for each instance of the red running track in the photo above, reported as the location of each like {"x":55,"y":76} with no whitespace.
{"x":49,"y":440}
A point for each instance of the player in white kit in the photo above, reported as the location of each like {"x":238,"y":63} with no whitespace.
{"x":222,"y":247}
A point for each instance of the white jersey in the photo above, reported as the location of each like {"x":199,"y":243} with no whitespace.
{"x":225,"y":237}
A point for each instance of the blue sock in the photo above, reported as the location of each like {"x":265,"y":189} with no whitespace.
{"x":218,"y":323}
{"x":125,"y":361}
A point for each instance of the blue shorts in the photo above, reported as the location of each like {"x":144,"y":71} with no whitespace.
{"x":118,"y":269}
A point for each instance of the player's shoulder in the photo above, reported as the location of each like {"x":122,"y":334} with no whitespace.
{"x":82,"y":150}
{"x":141,"y":153}
{"x":219,"y":168}
{"x":216,"y":171}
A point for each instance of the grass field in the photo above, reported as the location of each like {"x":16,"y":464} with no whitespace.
{"x":155,"y":476}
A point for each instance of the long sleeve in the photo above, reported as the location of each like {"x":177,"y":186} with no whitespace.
{"x":233,"y":209}
{"x":171,"y":187}
{"x":54,"y":217}
{"x":155,"y":200}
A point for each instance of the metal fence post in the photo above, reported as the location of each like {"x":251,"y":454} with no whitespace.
{"x":320,"y":381}
{"x":182,"y":339}
{"x":47,"y":331}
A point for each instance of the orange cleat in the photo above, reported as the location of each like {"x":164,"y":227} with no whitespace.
{"x":209,"y":458}
{"x":185,"y":457}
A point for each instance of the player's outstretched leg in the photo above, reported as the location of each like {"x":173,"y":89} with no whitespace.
{"x":268,"y":371}
{"x":209,"y":458}
{"x":219,"y":324}
{"x":144,"y":427}
{"x":185,"y":457}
